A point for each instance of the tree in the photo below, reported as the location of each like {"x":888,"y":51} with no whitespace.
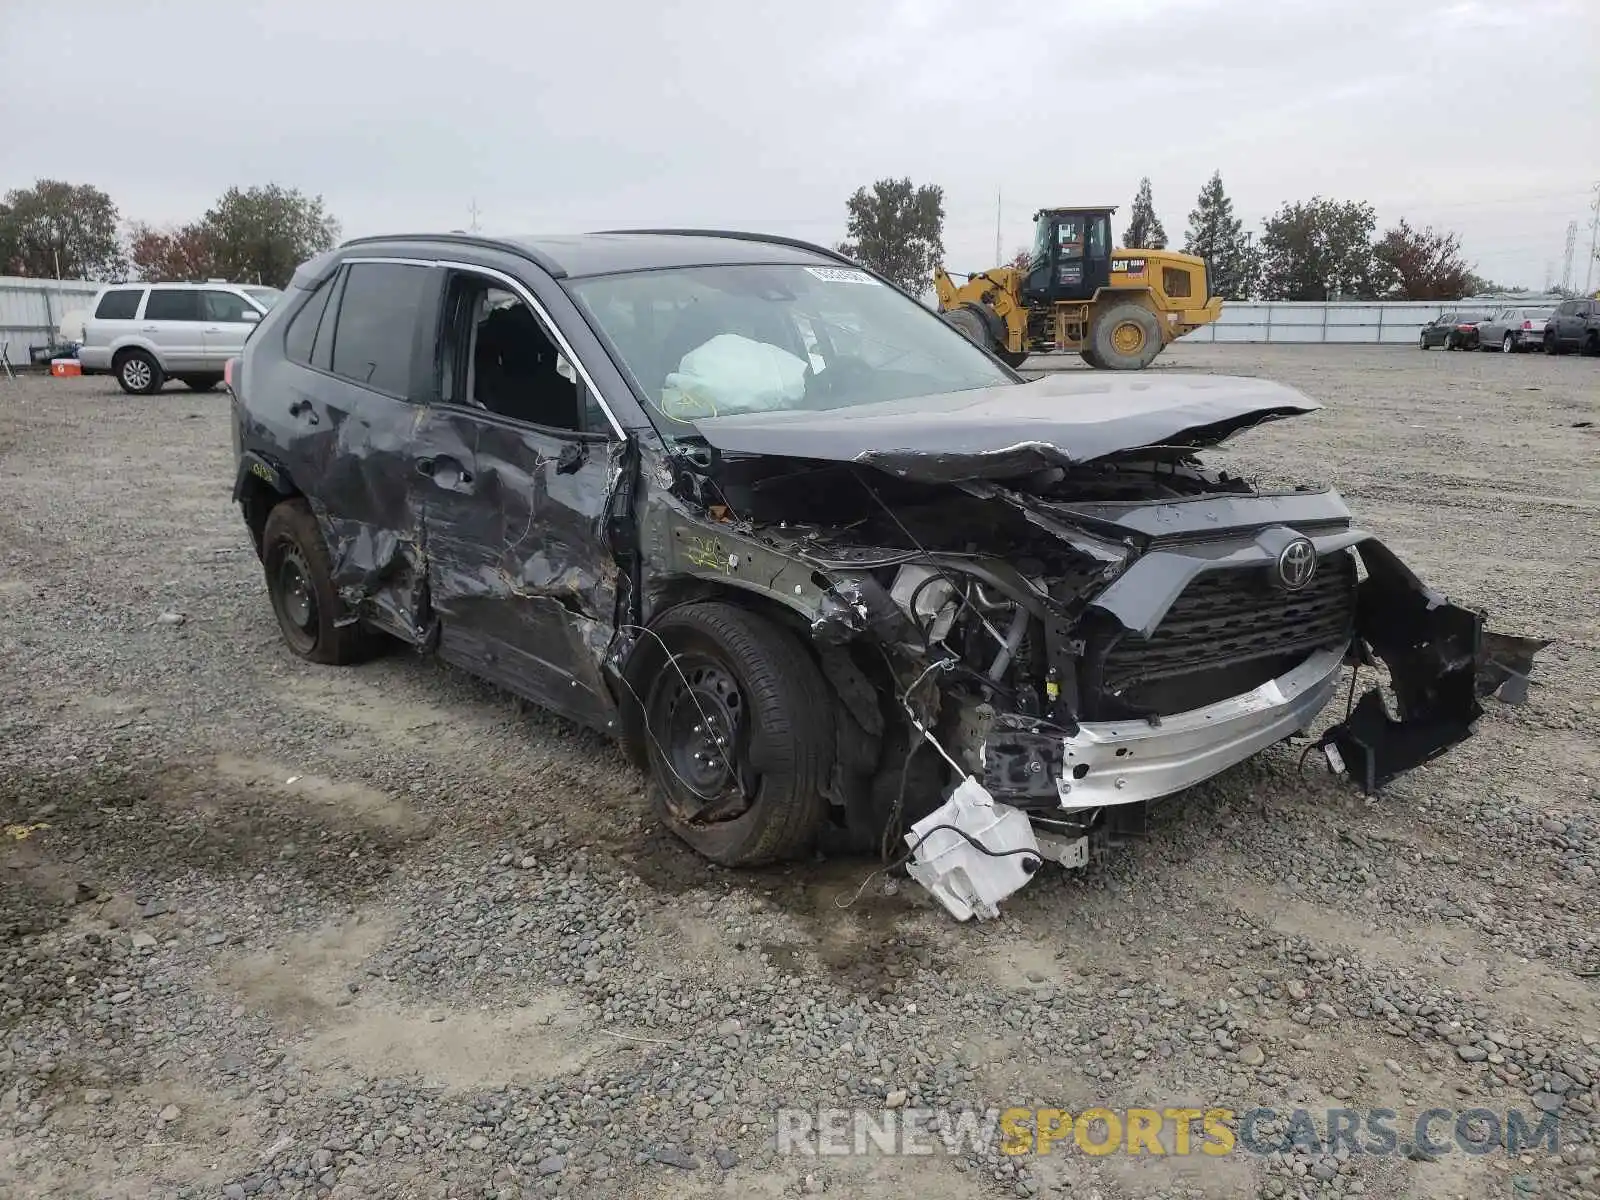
{"x":9,"y":264}
{"x":1022,"y":259}
{"x":261,"y":234}
{"x":897,"y":230}
{"x":62,"y":230}
{"x":1317,"y":250}
{"x":1216,"y":235}
{"x":185,"y":253}
{"x":1417,"y":264}
{"x":1144,"y":230}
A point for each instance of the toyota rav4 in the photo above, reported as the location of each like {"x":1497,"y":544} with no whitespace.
{"x":820,"y":564}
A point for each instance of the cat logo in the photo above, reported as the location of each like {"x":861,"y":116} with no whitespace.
{"x":1133,"y":266}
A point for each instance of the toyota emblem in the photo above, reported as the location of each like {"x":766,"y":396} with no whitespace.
{"x":1297,"y":564}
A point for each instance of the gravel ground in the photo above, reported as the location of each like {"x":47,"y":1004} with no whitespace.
{"x":269,"y":928}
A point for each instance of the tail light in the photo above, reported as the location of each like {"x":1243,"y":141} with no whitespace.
{"x":230,"y":371}
{"x":1527,"y":324}
{"x":1464,"y":328}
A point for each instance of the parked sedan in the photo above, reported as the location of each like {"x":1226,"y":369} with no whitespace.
{"x":1513,"y":329}
{"x":1452,"y":330}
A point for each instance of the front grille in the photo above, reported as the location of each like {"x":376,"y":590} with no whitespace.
{"x":1228,"y":633}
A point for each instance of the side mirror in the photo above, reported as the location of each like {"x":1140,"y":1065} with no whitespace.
{"x":251,"y":316}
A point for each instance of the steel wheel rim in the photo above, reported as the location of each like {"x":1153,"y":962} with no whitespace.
{"x":698,"y":721}
{"x":1127,"y":338}
{"x":297,"y":600}
{"x":136,"y":373}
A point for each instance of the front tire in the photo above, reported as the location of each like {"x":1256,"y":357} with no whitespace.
{"x":738,"y":732}
{"x":1550,"y":346}
{"x":1127,"y":337}
{"x":139,"y":373}
{"x":300,"y":584}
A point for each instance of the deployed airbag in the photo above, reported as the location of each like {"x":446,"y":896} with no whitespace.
{"x":732,"y":374}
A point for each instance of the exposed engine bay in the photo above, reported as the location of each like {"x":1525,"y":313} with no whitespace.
{"x":1013,"y":630}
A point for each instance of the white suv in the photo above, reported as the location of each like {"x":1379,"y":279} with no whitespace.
{"x":146,"y":333}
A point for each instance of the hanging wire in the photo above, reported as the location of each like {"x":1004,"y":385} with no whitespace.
{"x":644,"y":712}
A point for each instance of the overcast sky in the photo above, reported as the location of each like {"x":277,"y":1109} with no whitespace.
{"x":1480,"y":116}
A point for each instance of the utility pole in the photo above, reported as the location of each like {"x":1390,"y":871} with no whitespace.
{"x":1594,"y":243}
{"x":997,"y":250}
{"x":1566,"y":269}
{"x":472,"y":210}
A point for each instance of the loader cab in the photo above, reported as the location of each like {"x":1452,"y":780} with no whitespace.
{"x":1071,"y":257}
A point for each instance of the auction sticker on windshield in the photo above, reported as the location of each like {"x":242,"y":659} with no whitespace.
{"x":841,"y":275}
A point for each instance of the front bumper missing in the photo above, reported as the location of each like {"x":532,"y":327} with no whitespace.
{"x":1441,"y":661}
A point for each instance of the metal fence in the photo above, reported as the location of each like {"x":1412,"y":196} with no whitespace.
{"x":1334,"y":322}
{"x":31,"y":311}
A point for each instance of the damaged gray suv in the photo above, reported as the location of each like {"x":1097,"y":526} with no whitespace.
{"x":825,"y":568}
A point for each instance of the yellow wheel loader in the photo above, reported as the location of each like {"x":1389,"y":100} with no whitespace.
{"x":1116,"y":308}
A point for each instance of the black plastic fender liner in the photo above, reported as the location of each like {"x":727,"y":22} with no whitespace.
{"x":1441,"y":661}
{"x":253,"y":465}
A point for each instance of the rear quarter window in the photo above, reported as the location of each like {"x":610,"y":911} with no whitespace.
{"x":121,"y":304}
{"x":301,"y":335}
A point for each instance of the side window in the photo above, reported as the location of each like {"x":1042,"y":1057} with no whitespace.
{"x":301,"y":335}
{"x":1100,"y":238}
{"x":224,"y":306}
{"x":377,"y":323}
{"x":121,"y":304}
{"x":172,"y":304}
{"x":497,"y":355}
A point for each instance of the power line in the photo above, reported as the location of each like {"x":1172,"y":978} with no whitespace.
{"x":1594,"y":235}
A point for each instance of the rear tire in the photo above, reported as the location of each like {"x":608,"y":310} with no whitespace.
{"x":1508,"y":345}
{"x":300,"y":584}
{"x":138,"y":373}
{"x":738,"y":714}
{"x":1126,"y":337}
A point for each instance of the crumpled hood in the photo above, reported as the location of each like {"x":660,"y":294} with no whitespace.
{"x":1014,"y":429}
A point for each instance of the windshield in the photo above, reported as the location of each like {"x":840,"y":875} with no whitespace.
{"x":708,"y":341}
{"x":266,"y":297}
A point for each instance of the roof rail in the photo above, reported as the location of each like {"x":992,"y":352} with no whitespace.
{"x":554,"y":269}
{"x":743,"y":236}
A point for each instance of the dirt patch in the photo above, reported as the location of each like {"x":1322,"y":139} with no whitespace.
{"x":327,"y":799}
{"x":103,"y":825}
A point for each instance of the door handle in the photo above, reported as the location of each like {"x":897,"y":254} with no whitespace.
{"x":149,"y":329}
{"x":213,"y":329}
